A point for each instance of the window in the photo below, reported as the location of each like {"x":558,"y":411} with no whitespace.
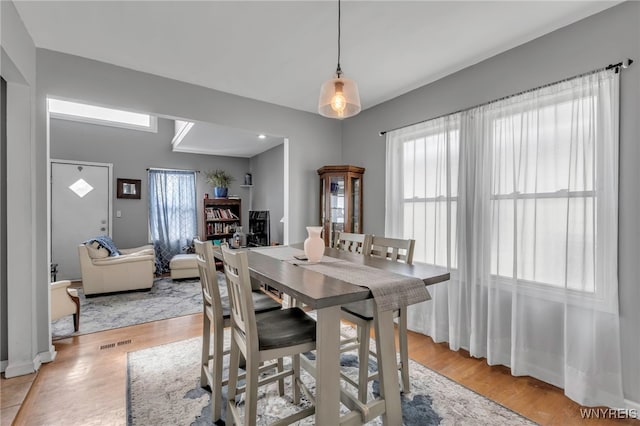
{"x":534,"y":175}
{"x":427,"y":208}
{"x":75,"y":111}
{"x":430,"y":196}
{"x":543,"y":172}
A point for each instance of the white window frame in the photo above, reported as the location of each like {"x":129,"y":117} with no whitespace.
{"x":448,"y":199}
{"x":551,"y":289}
{"x":153,"y":120}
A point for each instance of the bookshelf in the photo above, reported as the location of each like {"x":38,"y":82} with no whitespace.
{"x":221,"y":217}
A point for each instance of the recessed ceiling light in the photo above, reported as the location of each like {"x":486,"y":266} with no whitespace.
{"x":262,"y":136}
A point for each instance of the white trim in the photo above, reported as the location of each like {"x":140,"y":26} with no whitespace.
{"x":153,"y":120}
{"x":287,"y":193}
{"x":3,"y":366}
{"x":49,"y":355}
{"x":21,"y":369}
{"x":207,"y":152}
{"x":180,"y":134}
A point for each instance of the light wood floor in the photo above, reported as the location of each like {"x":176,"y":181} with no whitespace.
{"x":86,"y":384}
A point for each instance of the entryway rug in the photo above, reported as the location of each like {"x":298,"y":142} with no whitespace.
{"x":166,"y":299}
{"x":163,"y":388}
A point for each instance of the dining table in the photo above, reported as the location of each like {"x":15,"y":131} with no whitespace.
{"x":325,"y":293}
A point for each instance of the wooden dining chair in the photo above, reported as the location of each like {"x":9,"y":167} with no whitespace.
{"x":353,"y":243}
{"x":216,"y":317}
{"x":261,"y":337}
{"x":362,"y":314}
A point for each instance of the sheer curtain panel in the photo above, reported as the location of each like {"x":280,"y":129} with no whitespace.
{"x":172,"y":213}
{"x":519,"y":198}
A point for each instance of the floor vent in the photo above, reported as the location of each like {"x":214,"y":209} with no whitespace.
{"x":108,"y":346}
{"x":124,"y":342}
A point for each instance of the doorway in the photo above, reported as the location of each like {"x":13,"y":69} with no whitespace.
{"x":80,"y":209}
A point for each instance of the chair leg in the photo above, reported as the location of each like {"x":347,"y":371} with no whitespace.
{"x":206,"y":343}
{"x":216,"y":373}
{"x":281,"y":381}
{"x":76,"y":316}
{"x":295,"y":364}
{"x":364,"y":337}
{"x":251,"y":391}
{"x":404,"y":351}
{"x":234,"y":364}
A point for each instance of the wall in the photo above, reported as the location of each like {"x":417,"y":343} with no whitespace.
{"x":267,"y":171}
{"x":132,"y":152}
{"x":313,"y":140}
{"x":23,"y":347}
{"x":592,"y":43}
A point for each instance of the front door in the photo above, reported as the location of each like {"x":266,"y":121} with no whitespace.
{"x":80,"y":209}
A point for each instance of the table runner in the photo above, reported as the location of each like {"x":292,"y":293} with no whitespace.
{"x":390,"y":290}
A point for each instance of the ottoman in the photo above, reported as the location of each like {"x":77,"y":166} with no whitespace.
{"x":184,"y":266}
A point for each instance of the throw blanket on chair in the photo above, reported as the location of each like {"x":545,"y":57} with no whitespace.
{"x":106,"y":242}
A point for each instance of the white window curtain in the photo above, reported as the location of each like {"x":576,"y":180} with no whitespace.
{"x":519,"y":199}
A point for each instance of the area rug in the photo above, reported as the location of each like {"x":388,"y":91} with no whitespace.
{"x":166,"y":299}
{"x":163,"y":388}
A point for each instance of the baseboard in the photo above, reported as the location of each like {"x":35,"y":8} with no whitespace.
{"x":3,"y":366}
{"x":49,"y":355}
{"x":21,"y":369}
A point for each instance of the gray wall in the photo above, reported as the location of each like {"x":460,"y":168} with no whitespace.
{"x":131,"y":152}
{"x":27,"y":342}
{"x":267,"y":170}
{"x":592,"y":43}
{"x":313,"y":140}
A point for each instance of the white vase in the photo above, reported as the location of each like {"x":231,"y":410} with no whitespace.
{"x":314,"y":244}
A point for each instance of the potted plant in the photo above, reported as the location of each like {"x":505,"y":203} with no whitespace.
{"x":220,"y":181}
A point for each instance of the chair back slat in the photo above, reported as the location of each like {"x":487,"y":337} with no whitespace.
{"x":353,"y":243}
{"x":208,"y":276}
{"x":243,"y":318}
{"x":394,"y":249}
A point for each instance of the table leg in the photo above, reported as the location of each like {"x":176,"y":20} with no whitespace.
{"x":328,"y":366}
{"x":388,"y":368}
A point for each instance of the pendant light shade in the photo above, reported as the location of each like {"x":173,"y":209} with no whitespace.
{"x":339,"y":97}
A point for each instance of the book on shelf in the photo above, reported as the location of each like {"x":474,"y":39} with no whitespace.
{"x":213,"y":214}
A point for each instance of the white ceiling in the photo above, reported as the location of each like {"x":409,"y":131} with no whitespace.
{"x":208,"y":138}
{"x":281,"y":52}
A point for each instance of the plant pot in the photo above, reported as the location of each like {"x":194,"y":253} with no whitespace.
{"x":220,"y":192}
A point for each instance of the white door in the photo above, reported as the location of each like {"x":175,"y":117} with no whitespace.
{"x":80,"y":209}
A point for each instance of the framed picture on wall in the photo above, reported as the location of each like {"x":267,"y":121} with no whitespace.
{"x":129,"y":188}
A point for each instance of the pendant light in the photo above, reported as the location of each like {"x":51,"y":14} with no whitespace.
{"x":339,"y":97}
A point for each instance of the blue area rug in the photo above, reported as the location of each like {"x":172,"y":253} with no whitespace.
{"x":166,"y":299}
{"x":163,"y":387}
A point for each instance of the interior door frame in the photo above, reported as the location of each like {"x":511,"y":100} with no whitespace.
{"x":109,"y":167}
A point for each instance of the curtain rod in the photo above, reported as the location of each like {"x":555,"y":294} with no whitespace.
{"x":172,"y":170}
{"x":624,"y":64}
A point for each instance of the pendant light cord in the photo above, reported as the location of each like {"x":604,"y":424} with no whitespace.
{"x":339,"y":70}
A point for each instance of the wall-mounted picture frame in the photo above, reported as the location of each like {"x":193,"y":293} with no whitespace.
{"x":129,"y":188}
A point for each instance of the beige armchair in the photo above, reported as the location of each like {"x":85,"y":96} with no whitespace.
{"x":132,"y":270}
{"x":65,"y":301}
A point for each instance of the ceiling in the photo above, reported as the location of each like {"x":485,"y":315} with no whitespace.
{"x":281,"y":52}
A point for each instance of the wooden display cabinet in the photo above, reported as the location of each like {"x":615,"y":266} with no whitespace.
{"x":340,"y":200}
{"x":221,"y":218}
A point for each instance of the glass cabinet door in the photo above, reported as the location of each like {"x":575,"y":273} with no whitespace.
{"x":337,"y":206}
{"x":355,"y":205}
{"x":340,"y":200}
